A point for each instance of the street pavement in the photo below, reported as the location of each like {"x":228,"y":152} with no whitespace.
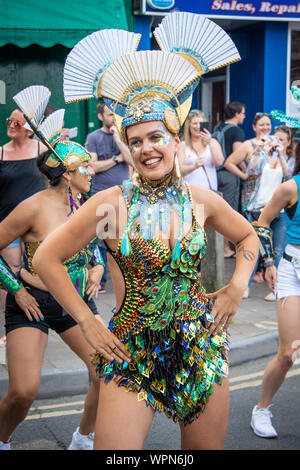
{"x":253,"y":334}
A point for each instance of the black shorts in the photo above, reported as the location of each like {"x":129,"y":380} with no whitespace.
{"x":55,"y":317}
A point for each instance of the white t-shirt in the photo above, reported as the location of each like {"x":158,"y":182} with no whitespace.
{"x":271,"y":179}
{"x":207,"y":176}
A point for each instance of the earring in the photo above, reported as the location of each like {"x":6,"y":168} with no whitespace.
{"x":72,"y":202}
{"x":135,"y":178}
{"x":176,"y":172}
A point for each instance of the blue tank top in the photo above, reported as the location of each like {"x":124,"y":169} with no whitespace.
{"x":293,"y":224}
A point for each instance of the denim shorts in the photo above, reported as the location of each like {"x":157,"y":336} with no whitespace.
{"x":55,"y":317}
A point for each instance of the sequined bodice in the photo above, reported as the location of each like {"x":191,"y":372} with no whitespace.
{"x":158,"y":288}
{"x":163,"y":321}
{"x":76,"y":265}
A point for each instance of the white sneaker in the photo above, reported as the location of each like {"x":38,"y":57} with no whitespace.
{"x":261,"y":422}
{"x":5,"y":445}
{"x":82,"y":442}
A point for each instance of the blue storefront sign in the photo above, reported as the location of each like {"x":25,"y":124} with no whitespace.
{"x":161,"y":4}
{"x":288,"y":10}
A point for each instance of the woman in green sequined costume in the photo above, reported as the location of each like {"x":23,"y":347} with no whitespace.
{"x":165,"y":348}
{"x":162,"y":313}
{"x":30,"y":308}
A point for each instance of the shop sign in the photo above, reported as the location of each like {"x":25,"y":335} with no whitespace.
{"x":161,"y":4}
{"x":288,"y":10}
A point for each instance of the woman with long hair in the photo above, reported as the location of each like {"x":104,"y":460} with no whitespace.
{"x":165,"y":347}
{"x":285,"y":283}
{"x":199,"y":154}
{"x":30,"y":308}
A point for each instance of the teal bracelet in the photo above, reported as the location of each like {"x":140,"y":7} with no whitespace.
{"x":8,"y":279}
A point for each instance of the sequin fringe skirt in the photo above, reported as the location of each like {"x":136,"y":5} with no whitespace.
{"x":173,"y":370}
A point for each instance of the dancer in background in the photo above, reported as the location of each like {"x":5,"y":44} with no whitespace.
{"x":286,"y":284}
{"x":30,"y":308}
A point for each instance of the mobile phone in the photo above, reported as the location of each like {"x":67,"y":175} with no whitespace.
{"x":73,"y":132}
{"x":206,"y":125}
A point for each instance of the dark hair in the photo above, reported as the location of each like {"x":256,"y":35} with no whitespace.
{"x":258,"y":116}
{"x":232,"y":108}
{"x":49,"y":110}
{"x":53,"y":175}
{"x":101,"y":107}
{"x":297,"y":159}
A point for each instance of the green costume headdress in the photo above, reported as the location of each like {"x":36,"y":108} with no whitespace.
{"x":33,"y":101}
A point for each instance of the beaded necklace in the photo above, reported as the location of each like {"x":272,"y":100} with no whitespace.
{"x":153,"y":202}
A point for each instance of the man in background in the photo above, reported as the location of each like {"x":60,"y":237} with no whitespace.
{"x":111,"y":160}
{"x":230,"y":136}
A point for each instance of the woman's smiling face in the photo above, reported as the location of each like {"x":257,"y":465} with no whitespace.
{"x":152,"y":148}
{"x":263,"y":126}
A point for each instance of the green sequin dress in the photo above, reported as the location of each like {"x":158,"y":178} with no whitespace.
{"x":163,"y":323}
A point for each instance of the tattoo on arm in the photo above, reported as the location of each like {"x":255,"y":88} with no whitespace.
{"x":248,"y":255}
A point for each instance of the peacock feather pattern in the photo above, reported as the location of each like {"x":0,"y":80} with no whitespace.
{"x":163,"y":324}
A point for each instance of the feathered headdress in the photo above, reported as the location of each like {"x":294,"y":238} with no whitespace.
{"x":148,"y":85}
{"x":33,"y":101}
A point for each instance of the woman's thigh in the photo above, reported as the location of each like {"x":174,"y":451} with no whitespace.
{"x":208,"y":431}
{"x":74,"y":338}
{"x":25,"y":348}
{"x":288,"y":314}
{"x":123,"y":422}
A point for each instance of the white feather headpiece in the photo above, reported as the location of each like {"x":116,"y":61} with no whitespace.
{"x":198,"y":39}
{"x":89,"y":59}
{"x":148,"y":85}
{"x":33,"y":101}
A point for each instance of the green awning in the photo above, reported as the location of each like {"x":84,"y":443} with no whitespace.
{"x":58,"y":21}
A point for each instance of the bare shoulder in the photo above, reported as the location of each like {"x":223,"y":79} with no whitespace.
{"x":33,"y":204}
{"x":246,"y":146}
{"x":288,"y":191}
{"x":107,"y":196}
{"x":215,"y":143}
{"x":202,"y":195}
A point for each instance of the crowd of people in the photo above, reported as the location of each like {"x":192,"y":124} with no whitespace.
{"x":167,"y":341}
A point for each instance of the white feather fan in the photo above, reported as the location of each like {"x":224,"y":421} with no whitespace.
{"x":91,"y":57}
{"x":33,"y":101}
{"x":197,"y":36}
{"x":51,"y":127}
{"x":141,"y":68}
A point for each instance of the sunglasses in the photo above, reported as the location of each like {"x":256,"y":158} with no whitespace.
{"x":262,"y":114}
{"x":282,"y":128}
{"x":16,"y":124}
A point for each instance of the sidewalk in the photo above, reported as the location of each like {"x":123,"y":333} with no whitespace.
{"x":253,"y":334}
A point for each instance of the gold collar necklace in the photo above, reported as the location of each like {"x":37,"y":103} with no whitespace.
{"x":154,"y":190}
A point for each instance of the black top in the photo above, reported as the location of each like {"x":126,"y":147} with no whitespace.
{"x":291,"y":210}
{"x":232,"y":134}
{"x":19,"y":179}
